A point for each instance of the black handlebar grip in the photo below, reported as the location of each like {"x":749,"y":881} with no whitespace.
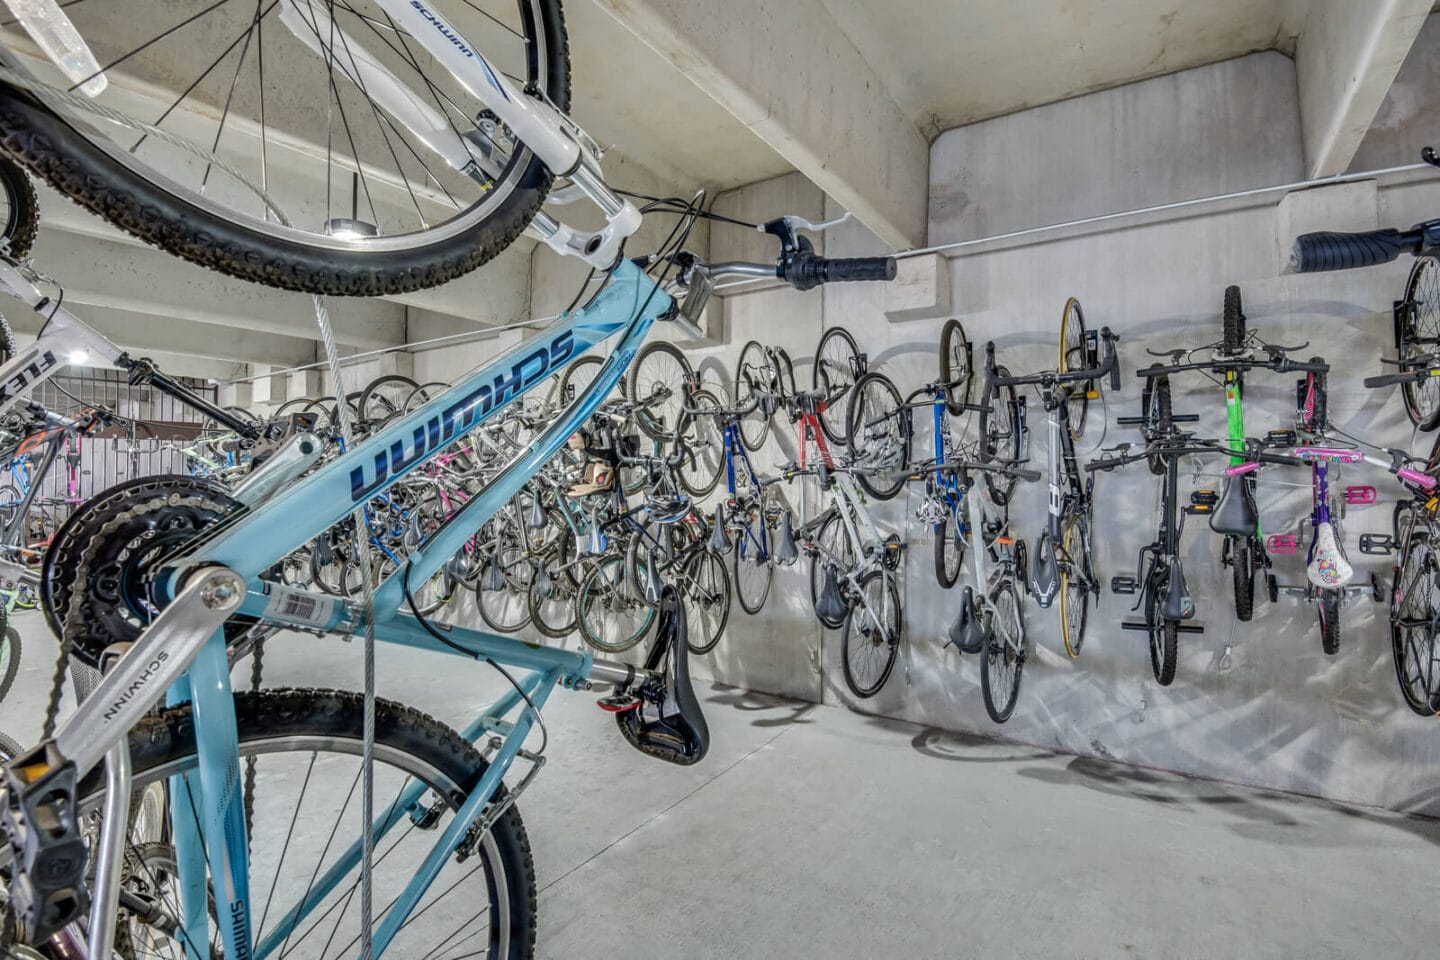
{"x":1313,"y":252}
{"x":1389,"y":379}
{"x":1028,"y":475}
{"x":857,"y":268}
{"x":1185,"y":418}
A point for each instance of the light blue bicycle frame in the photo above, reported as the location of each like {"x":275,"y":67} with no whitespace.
{"x":207,"y":817}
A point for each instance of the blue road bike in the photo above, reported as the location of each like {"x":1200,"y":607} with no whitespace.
{"x":161,"y":580}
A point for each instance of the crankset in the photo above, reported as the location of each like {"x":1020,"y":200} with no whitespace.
{"x":97,"y":584}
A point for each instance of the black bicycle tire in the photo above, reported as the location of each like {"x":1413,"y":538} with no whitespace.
{"x":702,"y":396}
{"x":11,"y":636}
{"x":632,"y":386}
{"x":588,"y":635}
{"x":754,"y":516}
{"x":892,"y":648}
{"x":1328,"y":613}
{"x":1077,"y":419}
{"x":835,"y":434}
{"x":165,"y":740}
{"x":1162,"y":661}
{"x":1233,"y":320}
{"x":1001,"y":486}
{"x":756,"y":419}
{"x":370,"y":391}
{"x":942,"y":532}
{"x":1157,"y":389}
{"x":872,"y":483}
{"x":1242,"y":569}
{"x":1001,"y":713}
{"x":696,"y":558}
{"x":957,"y":388}
{"x":55,"y":152}
{"x":1410,"y":390}
{"x":24,"y":220}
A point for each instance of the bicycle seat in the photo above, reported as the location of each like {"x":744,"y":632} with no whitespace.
{"x":1236,"y":514}
{"x":1177,"y":603}
{"x":668,"y":724}
{"x":1328,"y":568}
{"x":967,"y":632}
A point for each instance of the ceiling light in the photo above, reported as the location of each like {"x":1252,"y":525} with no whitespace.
{"x":77,"y":357}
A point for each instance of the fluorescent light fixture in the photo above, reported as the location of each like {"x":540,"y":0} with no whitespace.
{"x":77,"y":357}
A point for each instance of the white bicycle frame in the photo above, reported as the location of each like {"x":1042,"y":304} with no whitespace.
{"x":979,"y":561}
{"x":554,"y":138}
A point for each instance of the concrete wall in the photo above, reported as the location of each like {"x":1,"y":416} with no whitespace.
{"x":1257,"y":703}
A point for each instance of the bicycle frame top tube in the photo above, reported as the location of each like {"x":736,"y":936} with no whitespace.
{"x":250,"y":545}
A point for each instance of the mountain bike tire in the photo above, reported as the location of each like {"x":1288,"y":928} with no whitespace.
{"x":1233,"y":320}
{"x":23,"y":219}
{"x":1328,"y":613}
{"x":1164,"y":633}
{"x":182,"y":222}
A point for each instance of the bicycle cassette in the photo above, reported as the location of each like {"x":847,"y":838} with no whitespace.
{"x":97,"y":584}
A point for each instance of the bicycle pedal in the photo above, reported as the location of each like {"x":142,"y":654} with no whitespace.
{"x":619,"y":703}
{"x":1283,"y":544}
{"x":1280,"y":438}
{"x":1361,"y":496}
{"x":1377,"y":544}
{"x":1123,"y":585}
{"x":48,"y":890}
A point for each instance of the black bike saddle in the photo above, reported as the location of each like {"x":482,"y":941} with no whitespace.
{"x":668,"y":723}
{"x":1236,"y":514}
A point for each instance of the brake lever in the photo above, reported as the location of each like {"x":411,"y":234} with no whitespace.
{"x":800,"y":223}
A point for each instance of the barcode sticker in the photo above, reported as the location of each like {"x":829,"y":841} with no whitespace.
{"x":297,"y":606}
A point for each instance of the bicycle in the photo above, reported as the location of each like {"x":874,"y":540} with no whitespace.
{"x":201,"y":591}
{"x":994,"y":624}
{"x":1236,"y":516}
{"x":1064,"y":565}
{"x":1415,"y":316}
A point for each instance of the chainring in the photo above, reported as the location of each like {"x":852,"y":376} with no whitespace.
{"x":96,"y":586}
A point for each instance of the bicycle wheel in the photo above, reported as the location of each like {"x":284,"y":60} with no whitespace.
{"x":837,"y":367}
{"x":658,"y":379}
{"x":1000,"y":438}
{"x":1413,"y":611}
{"x":753,"y":567}
{"x":579,"y":375}
{"x":956,"y":372}
{"x":1242,"y":569}
{"x":949,"y":550}
{"x":831,"y":548}
{"x":1233,"y":320}
{"x":878,"y":433}
{"x":1328,"y":610}
{"x":1419,"y":346}
{"x":611,"y":617}
{"x":871,"y":638}
{"x":1155,"y":407}
{"x":1004,"y":659}
{"x":422,"y":395}
{"x":1074,"y":354}
{"x":1315,"y":401}
{"x":9,"y":652}
{"x":305,"y":749}
{"x":705,"y":590}
{"x":704,"y":440}
{"x":398,"y":205}
{"x":1164,"y":633}
{"x":1074,"y":585}
{"x":754,"y":372}
{"x":21,"y":216}
{"x":384,"y":398}
{"x":552,"y":610}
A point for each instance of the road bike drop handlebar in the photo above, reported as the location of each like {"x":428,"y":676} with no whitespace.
{"x":1109,"y":365}
{"x":1328,"y":250}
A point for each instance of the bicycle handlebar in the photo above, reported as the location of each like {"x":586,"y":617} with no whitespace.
{"x":1410,"y":376}
{"x":1110,"y":365}
{"x":976,"y":466}
{"x":1328,"y":250}
{"x":1277,"y":361}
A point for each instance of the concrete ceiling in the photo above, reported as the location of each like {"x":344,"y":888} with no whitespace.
{"x":949,"y":63}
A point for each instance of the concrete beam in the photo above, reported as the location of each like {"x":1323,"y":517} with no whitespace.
{"x":141,"y":280}
{"x":146,"y":334}
{"x":790,"y":74}
{"x":1346,"y":57}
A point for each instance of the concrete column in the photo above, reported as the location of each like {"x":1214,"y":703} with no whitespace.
{"x":1346,"y":58}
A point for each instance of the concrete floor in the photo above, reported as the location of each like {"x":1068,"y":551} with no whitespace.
{"x":812,"y":831}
